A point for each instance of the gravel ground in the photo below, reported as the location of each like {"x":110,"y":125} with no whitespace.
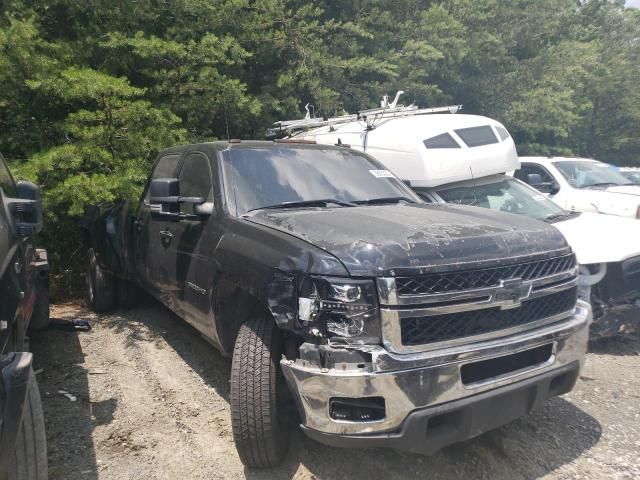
{"x":152,"y":402}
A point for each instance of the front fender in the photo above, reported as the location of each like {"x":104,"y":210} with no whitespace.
{"x":269,"y":266}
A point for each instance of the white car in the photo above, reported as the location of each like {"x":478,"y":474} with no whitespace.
{"x":582,"y":185}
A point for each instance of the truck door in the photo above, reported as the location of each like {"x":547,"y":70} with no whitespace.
{"x":154,"y":247}
{"x":547,"y":179}
{"x":195,"y":241}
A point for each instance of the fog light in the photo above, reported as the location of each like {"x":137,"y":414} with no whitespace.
{"x":368,"y":409}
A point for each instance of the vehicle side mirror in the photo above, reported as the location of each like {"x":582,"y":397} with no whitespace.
{"x":533,"y":179}
{"x":163,"y":196}
{"x":26,"y":209}
{"x":165,"y":199}
{"x":164,"y":191}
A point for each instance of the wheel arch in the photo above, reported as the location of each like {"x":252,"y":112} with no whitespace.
{"x":232,"y":305}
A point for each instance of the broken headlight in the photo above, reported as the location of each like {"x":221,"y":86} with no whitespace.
{"x":340,"y":309}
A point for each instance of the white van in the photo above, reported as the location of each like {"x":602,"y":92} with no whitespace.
{"x":463,"y":159}
{"x":582,"y":185}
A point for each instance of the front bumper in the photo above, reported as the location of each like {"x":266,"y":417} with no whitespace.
{"x":427,"y":430}
{"x":419,"y":386}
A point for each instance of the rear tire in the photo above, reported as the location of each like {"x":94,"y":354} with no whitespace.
{"x":40,"y":315}
{"x":29,"y":461}
{"x":259,"y":434}
{"x":100,"y":293}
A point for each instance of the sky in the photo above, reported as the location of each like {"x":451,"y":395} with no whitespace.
{"x":633,"y":3}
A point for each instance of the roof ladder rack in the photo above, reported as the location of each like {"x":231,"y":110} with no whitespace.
{"x":386,"y":110}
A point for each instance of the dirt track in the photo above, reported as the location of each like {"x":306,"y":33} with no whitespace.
{"x":152,"y":402}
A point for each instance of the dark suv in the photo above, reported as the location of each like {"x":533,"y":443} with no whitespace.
{"x":389,"y":322}
{"x":24,"y":303}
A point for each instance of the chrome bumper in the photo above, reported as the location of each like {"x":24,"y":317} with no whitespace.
{"x":414,"y":381}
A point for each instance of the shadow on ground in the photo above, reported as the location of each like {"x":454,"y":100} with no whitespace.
{"x":531,"y":447}
{"x":162,"y":326}
{"x":59,"y":354}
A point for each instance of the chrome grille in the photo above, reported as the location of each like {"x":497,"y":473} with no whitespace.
{"x":446,"y":282}
{"x":439,"y":328}
{"x":447,"y":309}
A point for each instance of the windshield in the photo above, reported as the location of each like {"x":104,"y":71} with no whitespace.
{"x":581,"y":174}
{"x":632,"y":175}
{"x":506,"y":195}
{"x":265,"y":177}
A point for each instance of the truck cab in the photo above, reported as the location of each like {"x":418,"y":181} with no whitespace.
{"x":582,"y":185}
{"x":462,"y":159}
{"x":24,"y":305}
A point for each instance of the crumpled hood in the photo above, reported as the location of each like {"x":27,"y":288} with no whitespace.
{"x":601,"y":238}
{"x":376,"y":240}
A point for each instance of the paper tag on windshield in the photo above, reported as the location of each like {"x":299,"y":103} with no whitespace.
{"x":539,"y":198}
{"x":381,"y":173}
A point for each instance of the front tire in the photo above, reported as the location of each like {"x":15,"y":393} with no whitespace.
{"x":259,"y":434}
{"x":29,"y":461}
{"x":100,"y":286}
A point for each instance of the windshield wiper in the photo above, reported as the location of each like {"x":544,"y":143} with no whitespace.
{"x":381,"y":201}
{"x":604,"y":184}
{"x":322,"y":202}
{"x":555,"y":216}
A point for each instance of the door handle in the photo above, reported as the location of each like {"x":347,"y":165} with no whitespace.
{"x":166,"y":236}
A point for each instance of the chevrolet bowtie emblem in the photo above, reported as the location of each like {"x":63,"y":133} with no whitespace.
{"x":511,"y":293}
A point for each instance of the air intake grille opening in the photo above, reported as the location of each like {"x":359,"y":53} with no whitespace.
{"x":495,"y":367}
{"x":438,"y":328}
{"x":446,"y":282}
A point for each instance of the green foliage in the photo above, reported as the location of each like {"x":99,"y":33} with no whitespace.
{"x":92,"y":90}
{"x":111,"y":138}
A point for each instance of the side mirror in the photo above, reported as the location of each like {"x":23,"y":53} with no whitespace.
{"x":534,"y":179}
{"x":165,"y":199}
{"x":164,"y":191}
{"x":163,"y":196}
{"x":26,"y":209}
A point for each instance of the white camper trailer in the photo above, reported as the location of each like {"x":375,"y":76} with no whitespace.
{"x":427,"y":150}
{"x":463,"y":159}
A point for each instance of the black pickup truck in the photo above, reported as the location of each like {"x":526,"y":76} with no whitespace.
{"x":386,"y":321}
{"x":24,"y":304}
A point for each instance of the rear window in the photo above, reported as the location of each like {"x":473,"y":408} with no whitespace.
{"x":502,"y":132}
{"x":477,"y":136}
{"x":441,"y":141}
